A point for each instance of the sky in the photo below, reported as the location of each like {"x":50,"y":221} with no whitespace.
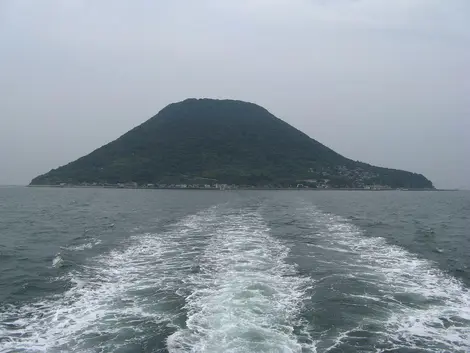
{"x":381,"y":81}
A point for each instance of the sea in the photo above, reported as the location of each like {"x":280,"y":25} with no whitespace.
{"x":108,"y":270}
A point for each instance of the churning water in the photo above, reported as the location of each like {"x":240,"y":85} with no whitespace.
{"x":94,"y":270}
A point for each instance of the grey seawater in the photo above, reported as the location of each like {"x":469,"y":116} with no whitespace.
{"x":95,"y":270}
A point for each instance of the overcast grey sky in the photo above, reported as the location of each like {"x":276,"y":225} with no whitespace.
{"x":383,"y":81}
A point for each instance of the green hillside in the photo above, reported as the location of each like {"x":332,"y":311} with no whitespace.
{"x":223,"y":141}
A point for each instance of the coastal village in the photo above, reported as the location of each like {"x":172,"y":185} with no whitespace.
{"x":133,"y":185}
{"x":357,"y":179}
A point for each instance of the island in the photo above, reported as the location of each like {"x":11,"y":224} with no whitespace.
{"x":223,"y":144}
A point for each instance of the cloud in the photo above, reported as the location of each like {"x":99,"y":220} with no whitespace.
{"x":435,"y":16}
{"x":353,"y":74}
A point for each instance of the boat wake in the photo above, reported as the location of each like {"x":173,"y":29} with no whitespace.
{"x":245,"y":298}
{"x":222,"y":281}
{"x":114,"y":301}
{"x":414,"y":304}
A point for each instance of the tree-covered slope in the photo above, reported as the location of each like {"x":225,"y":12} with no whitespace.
{"x":226,"y":141}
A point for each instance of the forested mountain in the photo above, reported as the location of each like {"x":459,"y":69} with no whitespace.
{"x":205,"y":141}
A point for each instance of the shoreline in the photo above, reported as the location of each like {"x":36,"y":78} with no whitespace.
{"x":225,"y":189}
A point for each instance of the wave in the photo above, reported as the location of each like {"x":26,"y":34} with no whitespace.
{"x":83,"y":246}
{"x":57,"y":261}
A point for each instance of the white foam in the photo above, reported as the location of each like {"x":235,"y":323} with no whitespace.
{"x":245,"y":298}
{"x":82,"y":247}
{"x":57,"y":261}
{"x":427,"y":308}
{"x":111,"y":295}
